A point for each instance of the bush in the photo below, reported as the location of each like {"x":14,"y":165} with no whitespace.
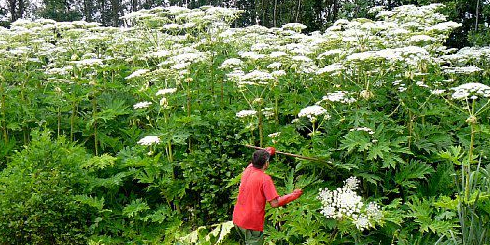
{"x":38,"y":194}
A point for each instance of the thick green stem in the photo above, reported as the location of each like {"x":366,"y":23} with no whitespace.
{"x":4,"y":117}
{"x":276,"y":110}
{"x":189,"y":107}
{"x":72,"y":119}
{"x":59,"y":121}
{"x":188,"y":97}
{"x":169,"y":154}
{"x":261,"y":127}
{"x":94,"y":115}
{"x":222,"y":91}
{"x":468,"y":166}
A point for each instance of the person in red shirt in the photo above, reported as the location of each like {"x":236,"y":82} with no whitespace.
{"x":257,"y":188}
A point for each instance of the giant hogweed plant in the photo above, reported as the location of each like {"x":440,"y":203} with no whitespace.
{"x":362,"y":97}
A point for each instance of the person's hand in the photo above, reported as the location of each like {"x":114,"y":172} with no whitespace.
{"x":271,"y":150}
{"x":297,"y":193}
{"x":281,"y":201}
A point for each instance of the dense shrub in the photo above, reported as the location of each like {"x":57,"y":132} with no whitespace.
{"x":39,"y":190}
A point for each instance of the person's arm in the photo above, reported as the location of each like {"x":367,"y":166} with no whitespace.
{"x":283,"y":200}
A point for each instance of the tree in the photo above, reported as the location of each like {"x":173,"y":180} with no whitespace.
{"x":61,"y":10}
{"x":16,"y":8}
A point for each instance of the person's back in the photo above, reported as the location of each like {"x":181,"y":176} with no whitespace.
{"x":257,"y":188}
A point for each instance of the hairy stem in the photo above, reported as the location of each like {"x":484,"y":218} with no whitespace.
{"x":94,"y":115}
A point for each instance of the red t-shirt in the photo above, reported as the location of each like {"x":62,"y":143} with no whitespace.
{"x":256,"y":187}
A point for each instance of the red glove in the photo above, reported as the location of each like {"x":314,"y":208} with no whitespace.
{"x":289,"y":197}
{"x":271,"y":150}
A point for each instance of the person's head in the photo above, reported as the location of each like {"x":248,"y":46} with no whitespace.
{"x":260,"y":158}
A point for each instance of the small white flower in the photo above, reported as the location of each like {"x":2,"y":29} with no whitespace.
{"x":438,"y":91}
{"x":274,"y":135}
{"x":141,"y":105}
{"x":352,"y":183}
{"x":366,"y":129}
{"x":362,"y":222}
{"x":149,"y":140}
{"x":164,"y":102}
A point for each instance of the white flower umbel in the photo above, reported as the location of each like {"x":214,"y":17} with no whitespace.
{"x":274,"y":135}
{"x":331,"y":69}
{"x":470,"y":90}
{"x":338,"y":96}
{"x":166,"y":91}
{"x":246,"y":113}
{"x":312,"y":112}
{"x":137,"y":73}
{"x":141,"y":105}
{"x":365,"y":129}
{"x":438,"y":91}
{"x":149,"y":140}
{"x":87,"y":62}
{"x":297,"y":27}
{"x":254,"y":78}
{"x":231,"y":63}
{"x":344,"y":203}
{"x":462,"y":70}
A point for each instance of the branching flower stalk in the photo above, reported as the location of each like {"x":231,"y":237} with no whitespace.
{"x":470,"y":93}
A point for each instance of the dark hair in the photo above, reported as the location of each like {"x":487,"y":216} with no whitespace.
{"x":259,"y":158}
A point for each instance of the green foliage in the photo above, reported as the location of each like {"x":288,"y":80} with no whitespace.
{"x":414,"y":148}
{"x":42,"y":196}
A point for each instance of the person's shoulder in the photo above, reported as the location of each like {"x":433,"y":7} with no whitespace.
{"x":266,"y":177}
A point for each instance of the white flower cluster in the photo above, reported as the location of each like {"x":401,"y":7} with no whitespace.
{"x":274,"y":135}
{"x":333,"y":69}
{"x":137,"y":73}
{"x":311,"y":112}
{"x":141,"y":105}
{"x":338,"y":96}
{"x":88,"y":62}
{"x":254,"y":78}
{"x":437,"y":91}
{"x":345,"y":203}
{"x":166,"y":91}
{"x":468,"y":54}
{"x":470,"y":91}
{"x":268,"y":112}
{"x":297,"y":27}
{"x":462,"y":70}
{"x":246,"y":113}
{"x":149,"y":140}
{"x":365,"y":129}
{"x":231,"y":63}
